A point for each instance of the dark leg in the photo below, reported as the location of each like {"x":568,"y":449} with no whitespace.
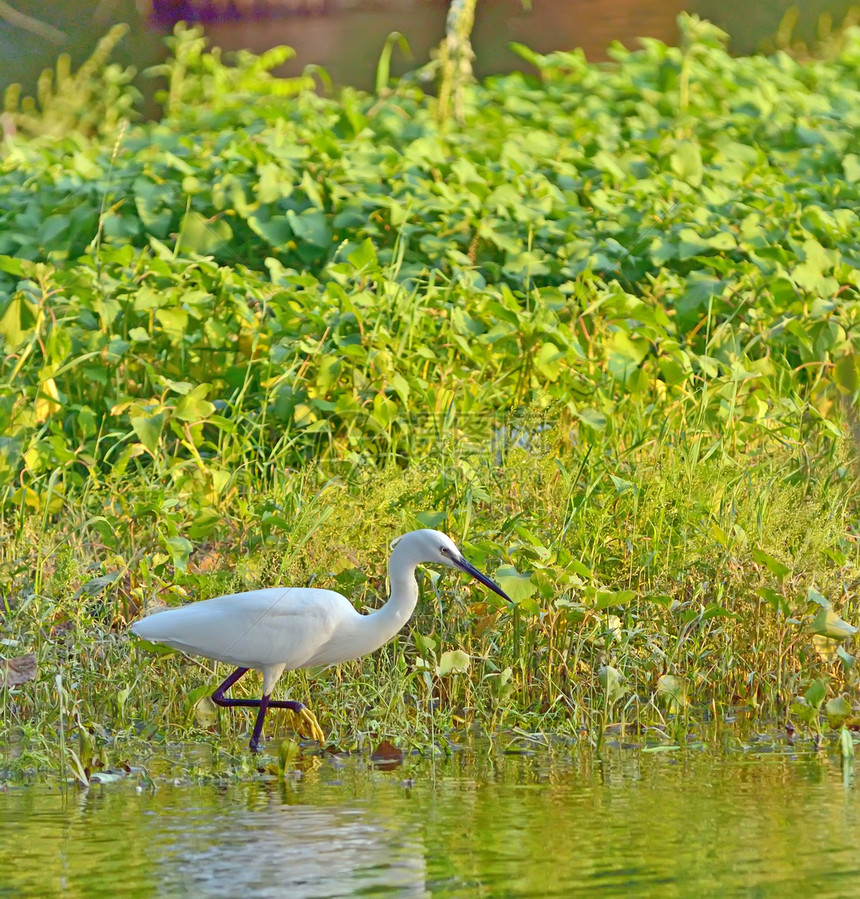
{"x":218,"y":696}
{"x":263,"y":705}
{"x":258,"y":724}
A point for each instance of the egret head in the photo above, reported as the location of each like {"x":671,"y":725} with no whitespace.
{"x":434,"y":547}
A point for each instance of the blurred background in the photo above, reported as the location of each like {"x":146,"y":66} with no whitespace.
{"x":347,"y":36}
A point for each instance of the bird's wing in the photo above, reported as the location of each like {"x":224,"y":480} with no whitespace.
{"x":254,"y":629}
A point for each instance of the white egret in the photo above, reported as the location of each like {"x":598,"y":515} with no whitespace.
{"x":283,"y":628}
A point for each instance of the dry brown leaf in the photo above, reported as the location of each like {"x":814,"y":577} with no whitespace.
{"x":386,"y":756}
{"x":14,"y":672}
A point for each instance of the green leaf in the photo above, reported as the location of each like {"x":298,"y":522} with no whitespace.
{"x":17,"y":321}
{"x":453,"y":661}
{"x":158,"y":649}
{"x":180,"y":550}
{"x":174,"y":321}
{"x":773,"y":565}
{"x":605,"y":599}
{"x":193,"y":406}
{"x":812,"y":595}
{"x":686,"y":163}
{"x":276,"y":231}
{"x":364,"y":255}
{"x":774,"y":599}
{"x":592,"y":418}
{"x":827,"y":623}
{"x":672,"y":691}
{"x":846,"y":743}
{"x":548,"y":361}
{"x":310,"y":226}
{"x":431,"y":519}
{"x":581,"y":569}
{"x":837,"y":710}
{"x":846,"y":374}
{"x":148,"y":429}
{"x":612,"y":681}
{"x":851,"y":167}
{"x":518,"y":586}
{"x":205,"y":711}
{"x":12,"y":266}
{"x":816,"y":693}
{"x":289,"y":752}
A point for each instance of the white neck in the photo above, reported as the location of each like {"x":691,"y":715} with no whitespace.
{"x":380,"y":626}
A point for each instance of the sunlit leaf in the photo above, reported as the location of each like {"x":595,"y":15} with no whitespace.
{"x":816,"y":693}
{"x":837,"y":710}
{"x":518,"y":586}
{"x":453,"y":661}
{"x":148,"y":429}
{"x":605,"y":599}
{"x":773,"y":565}
{"x":827,"y":623}
{"x":672,"y":691}
{"x":612,"y":681}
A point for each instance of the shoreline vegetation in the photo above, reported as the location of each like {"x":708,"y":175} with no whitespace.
{"x":598,"y":326}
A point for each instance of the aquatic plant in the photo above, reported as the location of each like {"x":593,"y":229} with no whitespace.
{"x":606,"y":329}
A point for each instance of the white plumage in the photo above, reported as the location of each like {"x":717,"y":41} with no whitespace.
{"x":282,"y":628}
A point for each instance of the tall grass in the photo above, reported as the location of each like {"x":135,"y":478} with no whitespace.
{"x":602,"y":334}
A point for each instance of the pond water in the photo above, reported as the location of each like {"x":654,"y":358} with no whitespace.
{"x":479,"y":824}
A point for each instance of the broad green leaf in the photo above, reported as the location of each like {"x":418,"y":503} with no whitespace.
{"x":364,"y":255}
{"x":453,"y":661}
{"x":174,"y":321}
{"x":773,"y":565}
{"x":827,"y":623}
{"x":686,"y":163}
{"x":193,"y":406}
{"x":276,"y":230}
{"x":148,"y":429}
{"x":607,"y":598}
{"x":813,"y":596}
{"x":310,"y":226}
{"x":548,"y":361}
{"x":205,"y":712}
{"x":593,"y":419}
{"x":612,"y":681}
{"x":17,"y":321}
{"x":816,"y":693}
{"x":180,"y":551}
{"x":431,"y":519}
{"x":837,"y":710}
{"x":518,"y":586}
{"x":672,"y":691}
{"x":851,"y":167}
{"x":774,"y":599}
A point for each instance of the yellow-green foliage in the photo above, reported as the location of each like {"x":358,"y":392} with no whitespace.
{"x":604,"y":334}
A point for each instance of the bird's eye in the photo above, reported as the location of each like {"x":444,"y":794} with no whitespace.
{"x":443,"y":550}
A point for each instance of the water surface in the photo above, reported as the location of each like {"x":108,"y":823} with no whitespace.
{"x":547,"y":824}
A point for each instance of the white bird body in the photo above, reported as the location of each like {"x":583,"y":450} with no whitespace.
{"x":283,"y":628}
{"x":267,"y":630}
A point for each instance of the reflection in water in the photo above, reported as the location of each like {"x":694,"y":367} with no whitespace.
{"x":282,"y":850}
{"x":539,"y":825}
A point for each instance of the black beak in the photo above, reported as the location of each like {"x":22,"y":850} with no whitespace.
{"x":463,"y":565}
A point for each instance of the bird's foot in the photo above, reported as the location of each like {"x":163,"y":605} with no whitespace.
{"x":306,"y":724}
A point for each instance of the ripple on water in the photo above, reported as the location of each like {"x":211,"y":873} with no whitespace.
{"x":548,"y":824}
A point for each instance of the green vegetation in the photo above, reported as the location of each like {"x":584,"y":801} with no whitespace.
{"x":601,"y":331}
